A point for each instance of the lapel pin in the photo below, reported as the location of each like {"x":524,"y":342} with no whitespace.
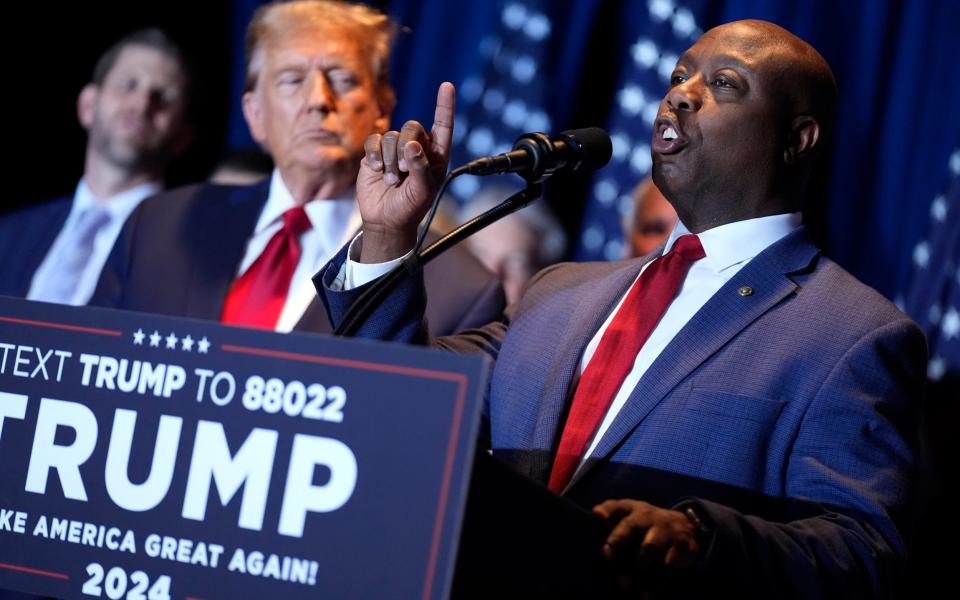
{"x":745,"y":291}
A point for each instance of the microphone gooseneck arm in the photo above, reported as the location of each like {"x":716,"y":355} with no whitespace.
{"x":535,"y":157}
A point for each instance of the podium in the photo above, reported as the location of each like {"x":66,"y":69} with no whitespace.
{"x":520,"y":540}
{"x":155,"y":457}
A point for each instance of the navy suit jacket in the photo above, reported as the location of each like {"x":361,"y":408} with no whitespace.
{"x":26,"y":236}
{"x":788,"y":415}
{"x":180,"y":251}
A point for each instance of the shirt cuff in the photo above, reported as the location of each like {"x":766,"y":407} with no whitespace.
{"x":355,"y":274}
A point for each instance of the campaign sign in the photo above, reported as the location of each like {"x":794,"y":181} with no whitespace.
{"x":146,"y":457}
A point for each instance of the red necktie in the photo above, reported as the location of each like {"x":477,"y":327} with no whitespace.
{"x":257,"y":297}
{"x":613,"y":359}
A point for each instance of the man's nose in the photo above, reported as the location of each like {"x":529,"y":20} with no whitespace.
{"x":319,"y":94}
{"x":140,"y":99}
{"x":686,"y":95}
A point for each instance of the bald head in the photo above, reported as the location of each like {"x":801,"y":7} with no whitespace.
{"x":793,"y":67}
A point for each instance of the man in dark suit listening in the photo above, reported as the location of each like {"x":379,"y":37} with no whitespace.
{"x":738,"y":408}
{"x":134,"y":111}
{"x":317,"y":86}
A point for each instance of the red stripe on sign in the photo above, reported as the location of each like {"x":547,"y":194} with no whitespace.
{"x":445,"y":487}
{"x":34,"y":571}
{"x":49,"y":325}
{"x":343,"y":362}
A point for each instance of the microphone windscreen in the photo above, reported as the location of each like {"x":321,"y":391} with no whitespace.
{"x":594,"y":144}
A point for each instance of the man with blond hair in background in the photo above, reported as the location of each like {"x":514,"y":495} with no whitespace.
{"x":317,"y":85}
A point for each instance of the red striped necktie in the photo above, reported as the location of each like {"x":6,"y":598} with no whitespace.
{"x":257,"y":297}
{"x":614,"y":357}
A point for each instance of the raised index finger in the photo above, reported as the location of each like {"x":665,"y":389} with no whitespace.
{"x":441,"y":133}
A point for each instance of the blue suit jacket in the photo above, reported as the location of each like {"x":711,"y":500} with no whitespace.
{"x":26,"y":236}
{"x":180,"y":251}
{"x":788,"y":415}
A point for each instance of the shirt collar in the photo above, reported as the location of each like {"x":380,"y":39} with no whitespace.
{"x":119,"y":206}
{"x":333,"y":212}
{"x":734,"y":243}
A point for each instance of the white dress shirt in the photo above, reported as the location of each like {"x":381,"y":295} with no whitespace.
{"x":728,"y":249}
{"x":119,"y":208}
{"x":332,"y":222}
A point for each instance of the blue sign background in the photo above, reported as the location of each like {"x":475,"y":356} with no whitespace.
{"x":410,"y":420}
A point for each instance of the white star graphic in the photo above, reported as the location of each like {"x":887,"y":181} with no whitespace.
{"x":660,"y":10}
{"x":900,"y":303}
{"x":951,"y":324}
{"x":645,"y":53}
{"x":187,"y":343}
{"x":650,"y":113}
{"x":605,"y":191}
{"x":665,"y":67}
{"x":203,"y":345}
{"x":640,"y":159}
{"x":138,"y":336}
{"x":621,"y":145}
{"x":921,"y":255}
{"x":934,"y":314}
{"x":631,"y":100}
{"x":683,"y":23}
{"x":936,"y":369}
{"x":537,"y":27}
{"x":171,"y":341}
{"x":155,"y":339}
{"x":938,"y":210}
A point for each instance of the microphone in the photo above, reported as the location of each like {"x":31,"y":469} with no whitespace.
{"x":535,"y":156}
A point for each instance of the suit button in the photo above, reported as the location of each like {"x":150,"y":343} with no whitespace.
{"x":745,"y":290}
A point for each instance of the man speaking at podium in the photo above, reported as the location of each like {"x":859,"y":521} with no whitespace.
{"x":740,"y":410}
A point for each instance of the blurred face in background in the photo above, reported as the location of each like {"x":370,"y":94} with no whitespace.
{"x":509,"y":249}
{"x":653,"y":220}
{"x":135,"y":119}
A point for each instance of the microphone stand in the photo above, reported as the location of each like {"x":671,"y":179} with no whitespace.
{"x":363,"y":306}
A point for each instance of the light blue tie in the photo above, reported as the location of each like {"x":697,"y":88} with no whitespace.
{"x":72,"y":257}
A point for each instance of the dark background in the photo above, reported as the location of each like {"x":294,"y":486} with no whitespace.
{"x":896,"y":63}
{"x":50,"y":54}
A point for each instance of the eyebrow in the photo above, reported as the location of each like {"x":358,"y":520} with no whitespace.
{"x":725,"y":58}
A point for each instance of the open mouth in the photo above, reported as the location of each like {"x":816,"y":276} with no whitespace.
{"x":667,"y":136}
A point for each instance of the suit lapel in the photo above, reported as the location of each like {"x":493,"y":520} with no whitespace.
{"x":314,"y":319}
{"x":50,"y":222}
{"x":588,"y":305}
{"x":723,"y":316}
{"x":220,"y":229}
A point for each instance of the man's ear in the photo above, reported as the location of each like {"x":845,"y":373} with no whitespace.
{"x":803,"y":138}
{"x":253,"y":114}
{"x":86,"y":104}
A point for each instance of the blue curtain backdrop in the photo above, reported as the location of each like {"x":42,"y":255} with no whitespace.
{"x":597,"y":63}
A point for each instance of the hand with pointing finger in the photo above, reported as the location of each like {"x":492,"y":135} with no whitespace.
{"x":398,"y":178}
